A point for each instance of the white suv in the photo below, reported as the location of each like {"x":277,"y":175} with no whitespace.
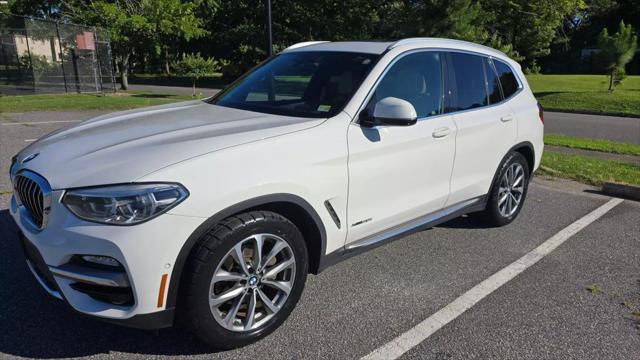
{"x":216,"y":210}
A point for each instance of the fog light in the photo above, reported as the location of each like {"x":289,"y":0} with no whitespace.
{"x":102,"y":260}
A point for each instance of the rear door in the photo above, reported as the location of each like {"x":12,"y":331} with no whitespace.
{"x":486,"y":125}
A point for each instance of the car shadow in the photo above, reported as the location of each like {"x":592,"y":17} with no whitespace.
{"x":542,"y":94}
{"x":469,"y":221}
{"x":37,"y":325}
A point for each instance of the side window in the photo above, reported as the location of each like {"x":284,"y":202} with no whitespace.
{"x":416,"y":78}
{"x":469,"y":80}
{"x":507,"y":78}
{"x":493,"y":84}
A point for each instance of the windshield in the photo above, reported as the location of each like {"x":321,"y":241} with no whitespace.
{"x":305,"y":84}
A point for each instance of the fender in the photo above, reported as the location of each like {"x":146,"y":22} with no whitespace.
{"x":185,"y":251}
{"x":526,"y":144}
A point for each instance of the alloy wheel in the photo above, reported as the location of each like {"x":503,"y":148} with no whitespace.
{"x":511,"y":190}
{"x":252,"y":282}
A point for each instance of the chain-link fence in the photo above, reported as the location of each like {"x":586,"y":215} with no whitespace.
{"x":38,"y":56}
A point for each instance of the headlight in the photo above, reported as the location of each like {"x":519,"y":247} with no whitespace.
{"x":123,"y":204}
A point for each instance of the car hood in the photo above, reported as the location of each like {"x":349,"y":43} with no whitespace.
{"x":125,"y":146}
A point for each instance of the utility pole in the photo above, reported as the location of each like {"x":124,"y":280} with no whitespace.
{"x":267,"y":11}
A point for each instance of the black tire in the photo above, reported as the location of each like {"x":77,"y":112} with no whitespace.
{"x":491,"y":214}
{"x":209,"y":252}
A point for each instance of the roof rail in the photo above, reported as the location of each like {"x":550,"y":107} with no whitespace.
{"x":303,"y":44}
{"x":410,"y":41}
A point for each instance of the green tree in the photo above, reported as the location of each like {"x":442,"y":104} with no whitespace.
{"x":138,"y":26}
{"x":48,"y":9}
{"x":38,"y":65}
{"x":457,"y":19}
{"x":529,"y":26}
{"x":172,"y":21}
{"x":237,"y":28}
{"x":616,"y":51}
{"x":195,"y":66}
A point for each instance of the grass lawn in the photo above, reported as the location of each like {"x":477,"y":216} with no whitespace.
{"x":588,"y":170}
{"x":592,"y":144}
{"x":587,"y":93}
{"x":61,"y":102}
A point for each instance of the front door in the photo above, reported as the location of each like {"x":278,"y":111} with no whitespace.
{"x":399,"y":173}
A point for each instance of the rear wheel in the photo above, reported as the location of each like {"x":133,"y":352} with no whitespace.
{"x":246,"y":277}
{"x":509,"y":191}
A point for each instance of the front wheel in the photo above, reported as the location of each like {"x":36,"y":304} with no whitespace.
{"x":509,"y":191}
{"x":246,"y":277}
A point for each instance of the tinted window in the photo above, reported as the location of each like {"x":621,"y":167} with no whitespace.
{"x":306,"y":84}
{"x":416,"y":78}
{"x":470,"y":89}
{"x":493,"y":85}
{"x":507,"y":78}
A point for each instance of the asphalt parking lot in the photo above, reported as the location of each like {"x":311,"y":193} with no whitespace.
{"x":358,"y":306}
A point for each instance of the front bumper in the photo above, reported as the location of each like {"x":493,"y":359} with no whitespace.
{"x":146,"y":252}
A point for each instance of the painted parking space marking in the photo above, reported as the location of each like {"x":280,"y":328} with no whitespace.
{"x":414,"y":336}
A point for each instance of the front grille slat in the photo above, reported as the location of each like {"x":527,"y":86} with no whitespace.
{"x":32,"y":204}
{"x":35,"y":194}
{"x":23,"y":189}
{"x":31,"y":196}
{"x":19,"y":185}
{"x":40,"y":206}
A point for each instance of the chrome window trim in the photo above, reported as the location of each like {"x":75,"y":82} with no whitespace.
{"x":363,"y":105}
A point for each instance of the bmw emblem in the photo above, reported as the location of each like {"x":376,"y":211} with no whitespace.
{"x":253,"y":280}
{"x":29,"y":158}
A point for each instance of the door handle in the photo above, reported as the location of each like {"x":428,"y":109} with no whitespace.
{"x":506,"y":118}
{"x":441,"y":132}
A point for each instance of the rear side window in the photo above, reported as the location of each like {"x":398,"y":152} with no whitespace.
{"x":493,"y":85}
{"x":507,"y":78}
{"x":469,"y":80}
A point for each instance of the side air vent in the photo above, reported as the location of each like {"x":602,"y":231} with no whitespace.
{"x":333,"y":214}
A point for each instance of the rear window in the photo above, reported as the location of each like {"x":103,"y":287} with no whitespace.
{"x":468,"y":71}
{"x":507,"y":78}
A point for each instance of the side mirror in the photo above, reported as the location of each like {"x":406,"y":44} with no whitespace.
{"x":391,"y":111}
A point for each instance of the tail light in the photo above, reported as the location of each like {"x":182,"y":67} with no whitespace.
{"x":541,"y":112}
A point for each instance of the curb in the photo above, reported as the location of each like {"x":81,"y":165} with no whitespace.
{"x":631,"y":192}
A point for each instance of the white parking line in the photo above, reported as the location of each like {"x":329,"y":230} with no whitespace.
{"x":30,"y":140}
{"x":40,"y":122}
{"x":406,"y":341}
